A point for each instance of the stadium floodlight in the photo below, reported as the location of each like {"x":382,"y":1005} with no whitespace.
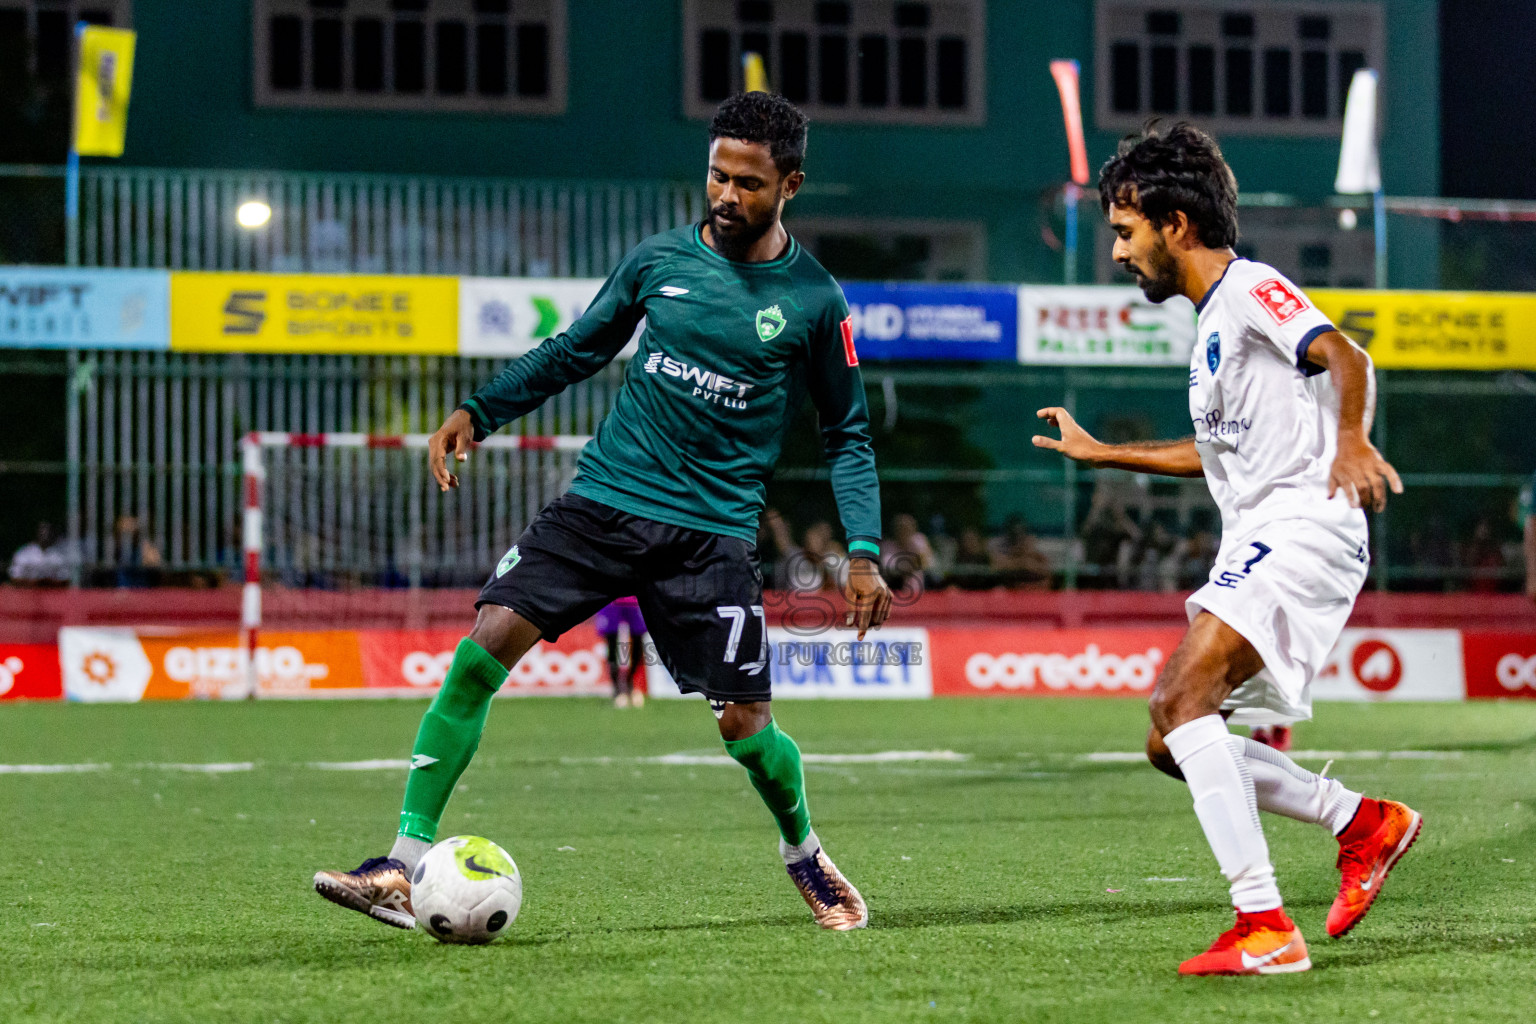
{"x":253,"y":214}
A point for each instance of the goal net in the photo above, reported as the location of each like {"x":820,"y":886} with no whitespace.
{"x":350,"y":532}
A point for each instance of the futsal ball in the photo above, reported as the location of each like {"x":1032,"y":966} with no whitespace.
{"x":466,"y":890}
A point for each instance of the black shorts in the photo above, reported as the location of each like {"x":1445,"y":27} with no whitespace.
{"x":701,"y":593}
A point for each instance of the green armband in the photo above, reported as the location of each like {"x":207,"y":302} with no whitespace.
{"x":863,"y":548}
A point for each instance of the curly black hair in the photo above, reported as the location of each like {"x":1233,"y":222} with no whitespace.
{"x":1180,"y":168}
{"x":766,"y":119}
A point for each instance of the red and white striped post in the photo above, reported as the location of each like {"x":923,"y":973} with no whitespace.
{"x":255,"y":472}
{"x":252,"y":447}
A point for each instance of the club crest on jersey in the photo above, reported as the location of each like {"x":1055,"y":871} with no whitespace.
{"x":508,"y":560}
{"x":770,"y":322}
{"x":1213,"y":351}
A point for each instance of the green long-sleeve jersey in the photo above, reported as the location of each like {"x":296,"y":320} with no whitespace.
{"x":728,"y":354}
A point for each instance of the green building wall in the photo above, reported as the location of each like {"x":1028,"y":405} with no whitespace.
{"x":192,"y":107}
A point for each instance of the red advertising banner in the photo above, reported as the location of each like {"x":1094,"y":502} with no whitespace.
{"x":1064,"y":662}
{"x":30,"y":672}
{"x":1500,"y":664}
{"x":410,"y":661}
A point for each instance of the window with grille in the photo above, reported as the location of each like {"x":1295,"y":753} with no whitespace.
{"x":39,"y":34}
{"x":1257,"y":69}
{"x":879,"y":61}
{"x":505,"y":56}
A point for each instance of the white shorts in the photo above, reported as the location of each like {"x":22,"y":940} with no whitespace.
{"x":1288,"y":587}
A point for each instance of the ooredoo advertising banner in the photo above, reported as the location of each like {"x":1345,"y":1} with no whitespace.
{"x":29,"y":672}
{"x":1393,"y":664}
{"x":410,"y":662}
{"x":1049,"y":662}
{"x":1500,"y":664}
{"x":54,"y":307}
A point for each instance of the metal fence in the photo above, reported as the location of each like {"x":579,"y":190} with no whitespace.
{"x":153,"y":458}
{"x":185,"y":220}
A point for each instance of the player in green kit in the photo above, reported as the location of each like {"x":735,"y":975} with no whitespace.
{"x":742,"y":325}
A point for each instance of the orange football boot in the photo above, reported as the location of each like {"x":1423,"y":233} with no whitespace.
{"x":1264,"y":943}
{"x":1380,"y":834}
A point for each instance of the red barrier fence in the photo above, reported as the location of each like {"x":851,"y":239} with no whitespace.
{"x":29,"y":615}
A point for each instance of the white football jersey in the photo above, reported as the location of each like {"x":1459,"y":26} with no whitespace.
{"x":1266,"y":421}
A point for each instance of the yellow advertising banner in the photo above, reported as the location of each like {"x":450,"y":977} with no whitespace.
{"x":1437,"y":330}
{"x":101,"y":90}
{"x":320,"y":313}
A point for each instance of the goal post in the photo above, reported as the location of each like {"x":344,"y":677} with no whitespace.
{"x":339,"y":511}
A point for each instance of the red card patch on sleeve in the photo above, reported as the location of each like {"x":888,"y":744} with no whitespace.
{"x":1282,"y":303}
{"x":848,"y":349}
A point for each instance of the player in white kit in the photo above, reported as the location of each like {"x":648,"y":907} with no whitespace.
{"x":1280,"y":403}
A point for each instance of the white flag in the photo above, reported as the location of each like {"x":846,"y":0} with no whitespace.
{"x":1359,"y":167}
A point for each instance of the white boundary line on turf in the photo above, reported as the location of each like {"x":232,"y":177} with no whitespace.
{"x":205,"y":768}
{"x":1129,"y":756}
{"x":690,"y":759}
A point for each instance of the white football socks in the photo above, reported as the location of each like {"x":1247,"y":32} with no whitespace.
{"x":799,"y":852}
{"x":409,"y":850}
{"x":1284,"y":787}
{"x":1213,"y":764}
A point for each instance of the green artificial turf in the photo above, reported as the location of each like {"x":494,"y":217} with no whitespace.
{"x":1021,"y":883}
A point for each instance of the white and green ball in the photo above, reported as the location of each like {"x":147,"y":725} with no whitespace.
{"x":466,"y":890}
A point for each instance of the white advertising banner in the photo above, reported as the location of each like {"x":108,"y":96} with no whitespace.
{"x":1086,"y":325}
{"x":894,"y":661}
{"x":1393,"y":664}
{"x":501,"y":316}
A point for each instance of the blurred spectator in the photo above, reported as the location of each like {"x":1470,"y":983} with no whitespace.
{"x":906,"y":554}
{"x":1198,"y":557}
{"x":1108,"y":534}
{"x":45,"y":562}
{"x":1157,"y":557}
{"x":973,"y":562}
{"x":1484,"y":559}
{"x":944,"y":546}
{"x":136,"y":556}
{"x":817,"y":563}
{"x":1016,"y":558}
{"x":1432,"y":553}
{"x":1527,"y":518}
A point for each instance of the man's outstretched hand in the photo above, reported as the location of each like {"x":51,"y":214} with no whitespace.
{"x":457,"y":434}
{"x":1075,"y":443}
{"x":1362,"y":474}
{"x":869,"y":599}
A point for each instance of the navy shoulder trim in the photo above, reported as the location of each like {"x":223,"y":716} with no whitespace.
{"x":1303,"y":364}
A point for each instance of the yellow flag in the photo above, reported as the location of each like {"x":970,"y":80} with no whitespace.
{"x":101,"y":91}
{"x":754,"y":72}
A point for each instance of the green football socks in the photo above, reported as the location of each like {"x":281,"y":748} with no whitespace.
{"x":772,"y":762}
{"x":449,"y":733}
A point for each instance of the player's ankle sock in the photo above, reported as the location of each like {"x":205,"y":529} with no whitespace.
{"x":449,"y":734}
{"x":772,"y":762}
{"x":1365,"y":820}
{"x":409,"y":850}
{"x":1277,"y":919}
{"x":1214,"y":767}
{"x":794,"y":853}
{"x":1281,"y":786}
